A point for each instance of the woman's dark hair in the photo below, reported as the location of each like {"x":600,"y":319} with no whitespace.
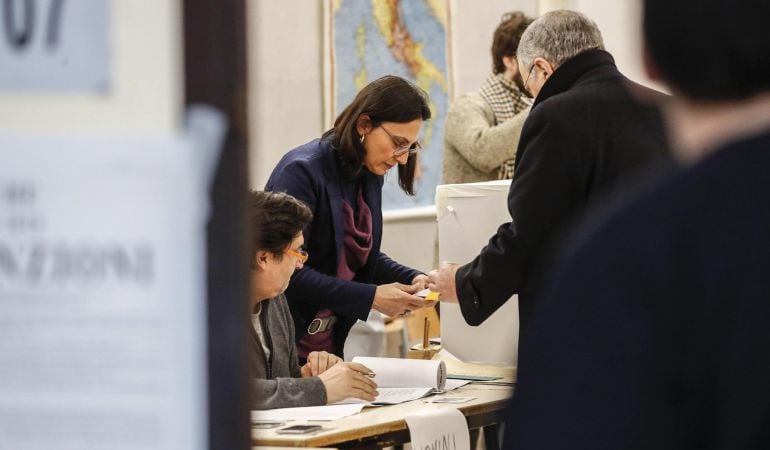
{"x":506,"y":39}
{"x":387,"y":99}
{"x":275,"y":218}
{"x":710,"y":49}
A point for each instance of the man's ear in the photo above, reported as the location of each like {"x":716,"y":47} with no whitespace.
{"x":260,"y":260}
{"x":510,"y":63}
{"x":544,"y":66}
{"x":363,"y":124}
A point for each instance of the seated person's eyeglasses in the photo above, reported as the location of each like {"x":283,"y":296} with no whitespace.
{"x":402,"y":149}
{"x":301,"y":254}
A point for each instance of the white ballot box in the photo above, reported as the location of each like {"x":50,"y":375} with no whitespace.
{"x":468,"y":215}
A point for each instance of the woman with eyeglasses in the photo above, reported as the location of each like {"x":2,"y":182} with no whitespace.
{"x":340,"y":177}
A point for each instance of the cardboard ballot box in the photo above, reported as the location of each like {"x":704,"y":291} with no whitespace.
{"x":468,"y":215}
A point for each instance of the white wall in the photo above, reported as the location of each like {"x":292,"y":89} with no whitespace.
{"x":621,"y":28}
{"x":145,"y":95}
{"x":411,"y":238}
{"x":285,"y":82}
{"x":285,"y":85}
{"x":473,"y":24}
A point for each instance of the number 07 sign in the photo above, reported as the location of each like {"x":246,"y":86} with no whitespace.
{"x":54,"y":45}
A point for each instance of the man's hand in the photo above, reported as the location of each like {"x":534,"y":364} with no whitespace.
{"x":443,"y":281}
{"x":345,"y":380}
{"x":396,"y":299}
{"x":318,"y":363}
{"x":421,"y":281}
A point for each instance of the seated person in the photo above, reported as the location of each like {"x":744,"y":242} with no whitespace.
{"x":277,"y":220}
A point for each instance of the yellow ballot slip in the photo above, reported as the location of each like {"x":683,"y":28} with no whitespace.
{"x":427,"y":294}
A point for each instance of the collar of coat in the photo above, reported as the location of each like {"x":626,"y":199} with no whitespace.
{"x":565,"y":76}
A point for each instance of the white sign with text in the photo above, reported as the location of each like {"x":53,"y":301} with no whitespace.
{"x":438,"y":429}
{"x":102,"y":294}
{"x":50,"y":45}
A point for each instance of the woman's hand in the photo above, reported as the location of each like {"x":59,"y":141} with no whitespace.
{"x":318,"y":363}
{"x":396,"y":299}
{"x":345,"y":380}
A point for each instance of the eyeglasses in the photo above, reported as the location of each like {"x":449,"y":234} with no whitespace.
{"x":528,"y":75}
{"x":402,"y":149}
{"x":301,"y":254}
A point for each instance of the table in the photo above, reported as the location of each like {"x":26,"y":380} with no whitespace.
{"x":287,"y":448}
{"x":384,"y":426}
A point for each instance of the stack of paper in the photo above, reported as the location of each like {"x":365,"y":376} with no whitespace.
{"x":401,"y":380}
{"x":461,"y":370}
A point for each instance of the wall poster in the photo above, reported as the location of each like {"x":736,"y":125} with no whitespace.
{"x":364,"y":40}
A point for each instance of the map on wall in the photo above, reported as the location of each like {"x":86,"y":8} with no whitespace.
{"x":365,"y":40}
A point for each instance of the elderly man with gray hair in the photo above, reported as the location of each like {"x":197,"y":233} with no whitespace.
{"x":586,"y":133}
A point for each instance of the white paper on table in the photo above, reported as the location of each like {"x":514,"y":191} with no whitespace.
{"x":393,"y":396}
{"x":452,"y":384}
{"x":439,"y":427}
{"x":447,"y":355}
{"x":329,"y":412}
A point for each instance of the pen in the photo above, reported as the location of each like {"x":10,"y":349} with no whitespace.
{"x":425,"y":334}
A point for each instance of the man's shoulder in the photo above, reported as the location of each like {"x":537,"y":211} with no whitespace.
{"x":590,"y":90}
{"x":562,"y":105}
{"x":280,"y":301}
{"x":470,"y":97}
{"x":621,"y":233}
{"x":668,"y":226}
{"x":470,"y":102}
{"x":654,"y":209}
{"x":607,"y":98}
{"x":279,"y":307}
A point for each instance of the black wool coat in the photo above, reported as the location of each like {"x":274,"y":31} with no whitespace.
{"x":586,"y":135}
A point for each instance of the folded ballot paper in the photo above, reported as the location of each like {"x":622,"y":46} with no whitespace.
{"x":401,"y":380}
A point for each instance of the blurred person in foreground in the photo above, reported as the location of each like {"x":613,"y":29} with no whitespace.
{"x":654,"y":334}
{"x":584,"y":139}
{"x":277,"y":220}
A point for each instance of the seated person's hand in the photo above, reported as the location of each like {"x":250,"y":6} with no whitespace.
{"x":345,"y":380}
{"x":396,"y":299}
{"x":318,"y":363}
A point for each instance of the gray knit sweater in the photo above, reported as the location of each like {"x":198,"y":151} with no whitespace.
{"x":277,"y":383}
{"x":474,"y":146}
